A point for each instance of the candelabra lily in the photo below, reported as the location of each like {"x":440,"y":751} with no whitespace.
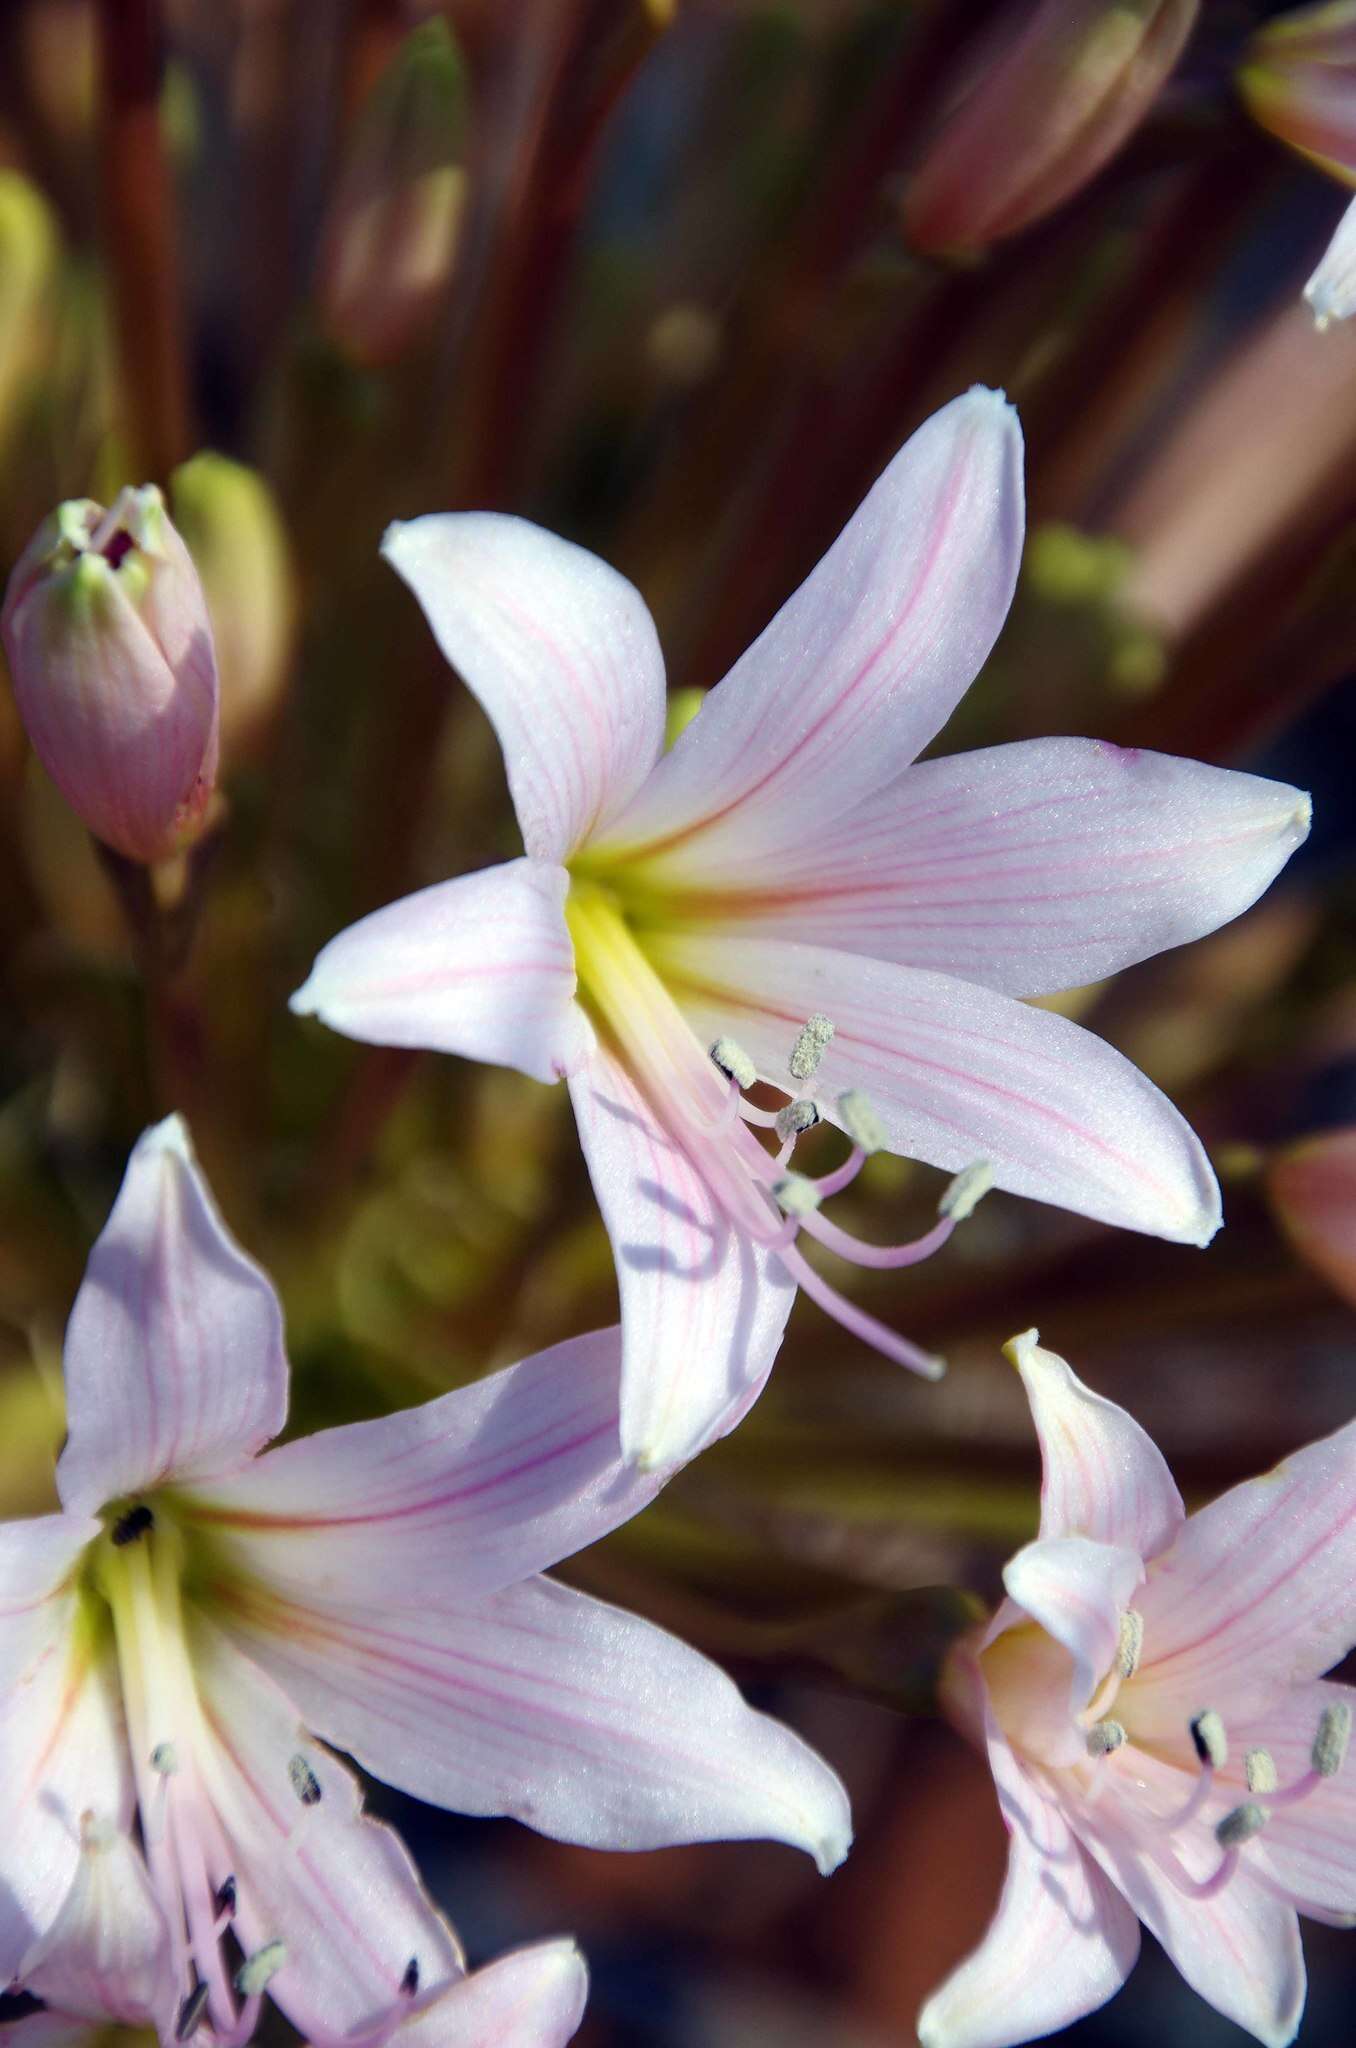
{"x":785,"y":883}
{"x":1164,"y":1744}
{"x":178,"y":1635}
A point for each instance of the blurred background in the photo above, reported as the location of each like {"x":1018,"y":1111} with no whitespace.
{"x":675,"y":278}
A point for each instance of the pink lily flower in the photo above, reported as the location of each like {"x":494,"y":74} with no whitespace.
{"x":786,"y":887}
{"x":196,"y":1615}
{"x":1163,"y":1742}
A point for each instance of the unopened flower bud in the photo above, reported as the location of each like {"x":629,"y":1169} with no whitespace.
{"x":228,"y":516}
{"x":1298,"y":80}
{"x":110,"y":651}
{"x":1043,"y":112}
{"x":391,"y":241}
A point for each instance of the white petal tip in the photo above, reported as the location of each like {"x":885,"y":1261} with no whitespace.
{"x":305,"y":1001}
{"x":1302,"y":817}
{"x":392,"y":538}
{"x":169,"y":1135}
{"x":831,"y":1851}
{"x":1023,"y":1350}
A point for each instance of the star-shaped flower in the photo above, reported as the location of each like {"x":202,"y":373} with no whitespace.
{"x":1163,"y":1741}
{"x":789,"y":886}
{"x":178,"y":1636}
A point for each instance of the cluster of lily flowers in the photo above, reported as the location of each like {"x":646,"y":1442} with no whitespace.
{"x":784,"y":920}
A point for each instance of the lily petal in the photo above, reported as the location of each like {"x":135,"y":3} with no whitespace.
{"x":62,"y":1744}
{"x":174,"y":1352}
{"x":1331,"y":292}
{"x":340,"y":1891}
{"x":1102,"y":1475}
{"x":703,"y":1308}
{"x":1077,"y":1590}
{"x":559,"y":649}
{"x":1308,"y":1849}
{"x":1255,"y":1594}
{"x":860,"y":668}
{"x":1061,"y":1943}
{"x":533,"y":1998}
{"x":468,"y":1493}
{"x":586,"y":1723}
{"x":480,"y":966}
{"x":960,"y":1074}
{"x":106,"y":1955}
{"x":1032,"y":867}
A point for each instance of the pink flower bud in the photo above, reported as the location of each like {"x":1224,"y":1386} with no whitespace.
{"x":1044,"y":111}
{"x":110,"y":650}
{"x":1299,"y":82}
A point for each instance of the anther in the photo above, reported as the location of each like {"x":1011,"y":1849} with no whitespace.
{"x":1211,"y":1742}
{"x":1240,"y":1824}
{"x":305,"y":1783}
{"x":962,"y":1196}
{"x":796,"y":1193}
{"x":811,"y":1044}
{"x":1104,"y":1736}
{"x":191,"y":2012}
{"x":857,"y":1115}
{"x":225,"y":1898}
{"x":800,"y":1115}
{"x":165,"y":1759}
{"x":409,"y":1983}
{"x":257,"y":1970}
{"x":1259,"y":1768}
{"x":134,"y":1524}
{"x":734,"y":1062}
{"x":1330,"y":1743}
{"x":1130,"y":1648}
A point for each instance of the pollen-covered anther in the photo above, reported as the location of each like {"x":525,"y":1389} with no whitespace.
{"x":1259,"y":1769}
{"x":812,"y":1042}
{"x":1240,"y":1824}
{"x":796,"y":1194}
{"x":1210,"y":1741}
{"x":1104,"y":1736}
{"x":800,"y":1115}
{"x":165,"y":1759}
{"x":1330,"y":1743}
{"x":258,"y":1970}
{"x":962,"y":1196}
{"x":734,"y":1062}
{"x":305,"y":1783}
{"x":857,"y":1114}
{"x":1130,"y":1647}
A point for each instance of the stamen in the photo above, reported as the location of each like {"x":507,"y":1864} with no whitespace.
{"x":1259,"y":1769}
{"x":1130,"y":1648}
{"x":800,"y":1115}
{"x":225,"y":1897}
{"x":191,"y":2012}
{"x":734,"y":1062}
{"x":1104,"y":1736}
{"x":1240,"y":1824}
{"x":857,"y":1115}
{"x":305,"y":1783}
{"x":165,"y":1759}
{"x":135,"y":1523}
{"x":1330,"y":1743}
{"x":962,"y":1196}
{"x":409,"y":1983}
{"x":810,"y":1046}
{"x":796,"y":1194}
{"x":1211,"y":1742}
{"x":259,"y":1969}
{"x":869,"y":1329}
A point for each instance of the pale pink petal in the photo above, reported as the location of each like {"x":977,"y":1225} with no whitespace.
{"x":860,"y":668}
{"x":63,"y":1748}
{"x":174,"y":1356}
{"x":559,"y":649}
{"x":703,"y":1307}
{"x":1061,"y":1943}
{"x":1239,"y":1949}
{"x":1255,"y":1595}
{"x":1030,"y":867}
{"x":587,"y":1723}
{"x":1077,"y":1590}
{"x":1308,"y":1849}
{"x":470,"y":1492}
{"x":106,"y":1955}
{"x":959,"y":1074}
{"x":340,"y":1891}
{"x":1102,"y":1475}
{"x":533,"y":1998}
{"x":480,"y":966}
{"x":1331,"y":291}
